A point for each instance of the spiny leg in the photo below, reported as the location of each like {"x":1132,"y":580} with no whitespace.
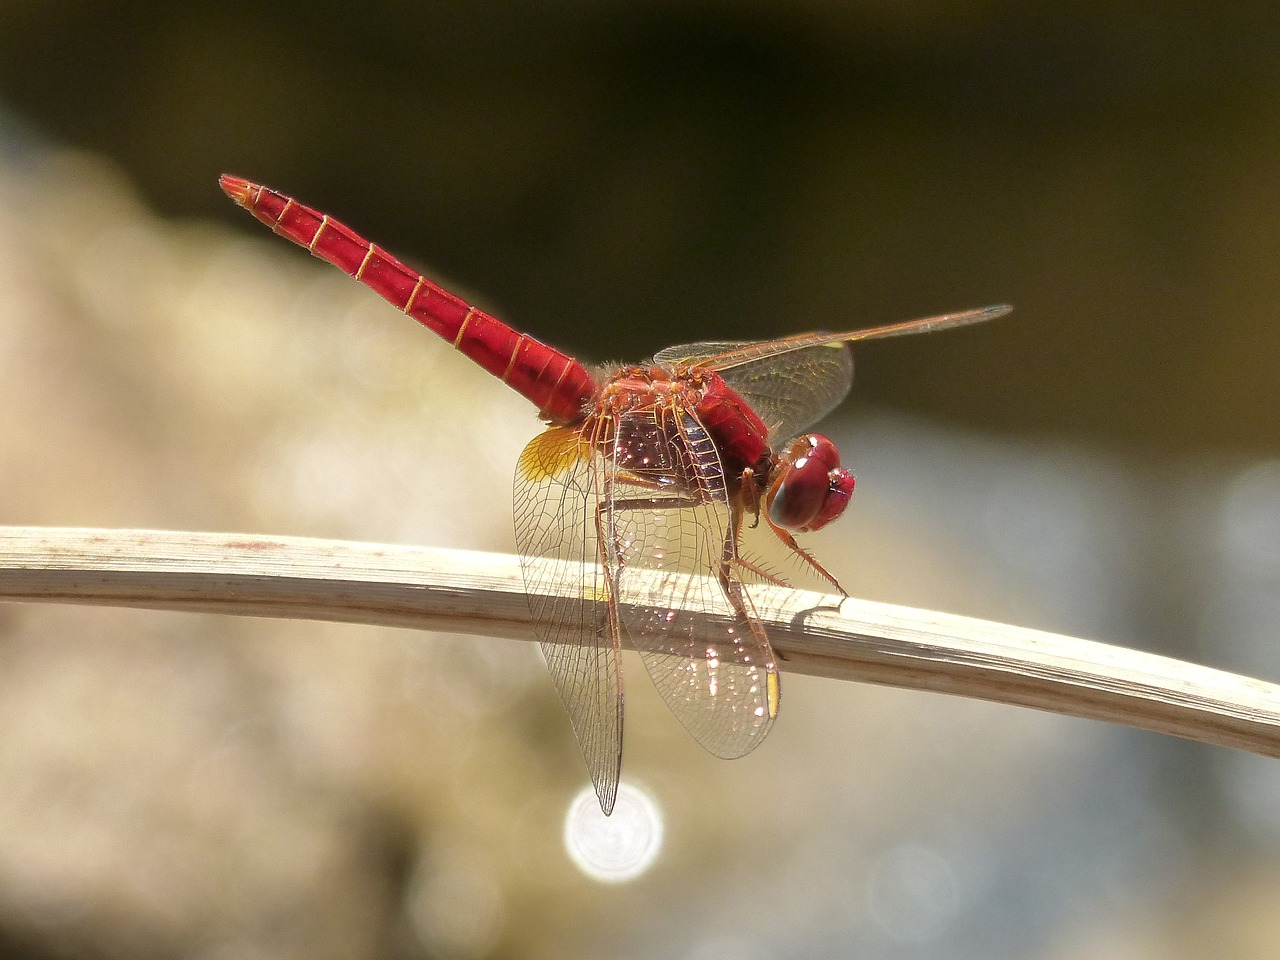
{"x":607,"y":545}
{"x":686,"y":503}
{"x":732,"y":586}
{"x":761,"y":572}
{"x":805,"y":556}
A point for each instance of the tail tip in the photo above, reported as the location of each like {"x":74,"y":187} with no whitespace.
{"x":237,"y":188}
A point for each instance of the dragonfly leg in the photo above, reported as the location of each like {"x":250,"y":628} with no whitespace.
{"x":749,"y":494}
{"x":663,"y":503}
{"x":805,"y":556}
{"x":730,"y":584}
{"x":667,"y":501}
{"x":655,"y":503}
{"x":609,"y":555}
{"x":762,"y":573}
{"x":747,"y":500}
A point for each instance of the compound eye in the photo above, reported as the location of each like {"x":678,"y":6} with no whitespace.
{"x":814,"y":488}
{"x":839,"y":490}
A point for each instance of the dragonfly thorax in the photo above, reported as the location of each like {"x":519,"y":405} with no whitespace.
{"x":628,"y":388}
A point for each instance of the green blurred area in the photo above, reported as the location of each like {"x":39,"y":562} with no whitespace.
{"x":617,"y":177}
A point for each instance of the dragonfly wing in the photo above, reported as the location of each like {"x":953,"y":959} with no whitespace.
{"x":558,"y":491}
{"x":788,"y":390}
{"x":691,"y":354}
{"x":791,"y":391}
{"x":797,"y":380}
{"x":669,"y":515}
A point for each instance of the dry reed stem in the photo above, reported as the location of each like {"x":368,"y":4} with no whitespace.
{"x":479,"y":593}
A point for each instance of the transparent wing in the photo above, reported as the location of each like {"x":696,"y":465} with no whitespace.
{"x":788,"y":391}
{"x":694,"y":354}
{"x":558,"y":490}
{"x":669,"y":518}
{"x":795,"y":381}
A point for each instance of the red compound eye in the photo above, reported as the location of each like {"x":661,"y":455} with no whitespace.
{"x":814,"y":489}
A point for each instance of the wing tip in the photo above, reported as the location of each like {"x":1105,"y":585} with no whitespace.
{"x":607,"y":794}
{"x":993,"y":312}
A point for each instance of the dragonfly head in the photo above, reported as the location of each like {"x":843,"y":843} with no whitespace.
{"x":810,"y":488}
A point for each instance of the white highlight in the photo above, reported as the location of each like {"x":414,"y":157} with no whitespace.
{"x":617,"y":848}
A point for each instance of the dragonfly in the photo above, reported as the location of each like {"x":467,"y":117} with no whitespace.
{"x":645,"y":484}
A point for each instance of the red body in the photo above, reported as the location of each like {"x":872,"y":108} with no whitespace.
{"x":647,"y":476}
{"x":559,"y":385}
{"x":740,"y":435}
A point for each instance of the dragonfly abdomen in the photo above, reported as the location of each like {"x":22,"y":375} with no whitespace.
{"x":558,"y":384}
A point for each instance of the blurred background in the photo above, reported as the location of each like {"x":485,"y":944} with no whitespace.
{"x":613,"y":178}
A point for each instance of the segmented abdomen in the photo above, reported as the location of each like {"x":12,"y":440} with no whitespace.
{"x":558,"y":384}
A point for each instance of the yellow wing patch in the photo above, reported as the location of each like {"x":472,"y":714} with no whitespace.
{"x":552,"y":452}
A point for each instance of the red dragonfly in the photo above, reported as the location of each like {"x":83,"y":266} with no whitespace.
{"x":646,"y":480}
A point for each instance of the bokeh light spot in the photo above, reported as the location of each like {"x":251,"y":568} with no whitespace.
{"x":617,"y":848}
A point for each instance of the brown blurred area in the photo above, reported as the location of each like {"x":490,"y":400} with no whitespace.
{"x":617,"y":177}
{"x":614,"y":178}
